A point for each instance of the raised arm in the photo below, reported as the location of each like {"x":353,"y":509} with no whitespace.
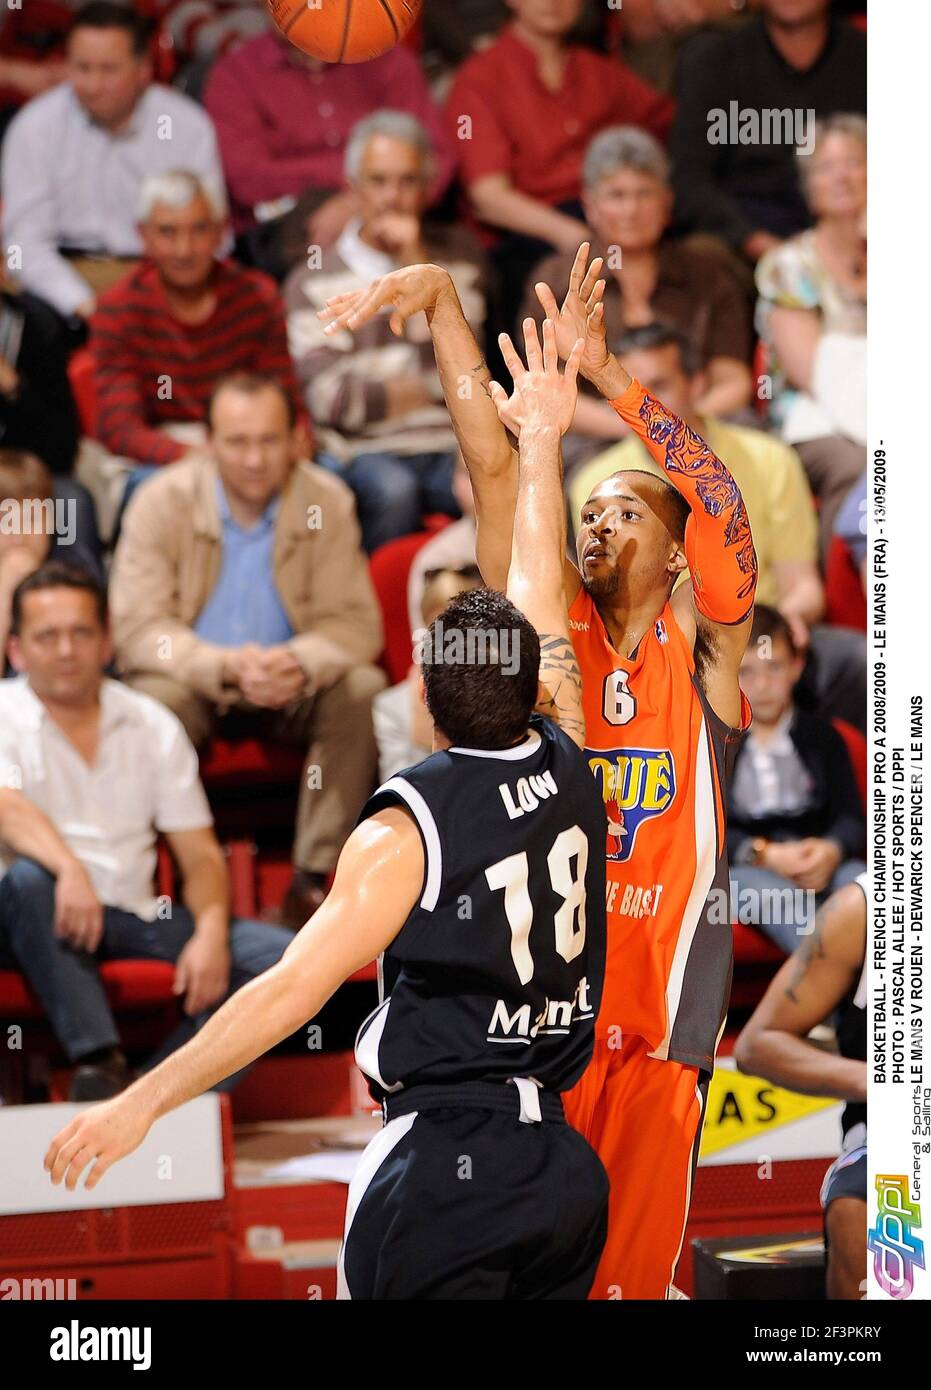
{"x":464,"y":374}
{"x":539,"y":412}
{"x":378,"y":880}
{"x":716,"y":609}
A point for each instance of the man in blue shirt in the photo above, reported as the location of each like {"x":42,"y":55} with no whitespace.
{"x":241,"y":599}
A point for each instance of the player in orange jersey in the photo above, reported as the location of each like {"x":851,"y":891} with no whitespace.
{"x":663,"y":709}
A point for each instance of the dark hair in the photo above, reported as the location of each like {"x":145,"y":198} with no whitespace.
{"x":58,"y":574}
{"x":250,"y":384}
{"x":653,"y":337}
{"x":481,"y":666}
{"x":768,"y":622}
{"x":101,"y":14}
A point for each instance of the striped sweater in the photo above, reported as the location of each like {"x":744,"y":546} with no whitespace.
{"x":151,"y":370}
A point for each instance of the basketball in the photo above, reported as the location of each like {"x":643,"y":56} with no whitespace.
{"x":344,"y":31}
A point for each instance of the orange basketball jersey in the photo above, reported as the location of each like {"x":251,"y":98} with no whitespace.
{"x":662,"y":758}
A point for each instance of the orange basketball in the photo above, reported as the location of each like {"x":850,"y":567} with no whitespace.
{"x":344,"y":31}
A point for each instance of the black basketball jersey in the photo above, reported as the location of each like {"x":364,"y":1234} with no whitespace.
{"x":498,"y":970}
{"x":851,"y":1033}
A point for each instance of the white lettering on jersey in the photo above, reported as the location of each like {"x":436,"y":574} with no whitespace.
{"x":530,"y":792}
{"x":556,"y":1016}
{"x":635,"y":901}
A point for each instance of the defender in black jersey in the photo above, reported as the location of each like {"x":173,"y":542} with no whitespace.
{"x":827,"y":974}
{"x":478,"y":878}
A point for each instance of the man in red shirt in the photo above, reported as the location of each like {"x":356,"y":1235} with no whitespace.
{"x":164,"y":334}
{"x":283,"y":119}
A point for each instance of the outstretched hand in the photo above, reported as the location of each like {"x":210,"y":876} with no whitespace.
{"x":99,"y":1135}
{"x":406,"y":291}
{"x":582,"y":312}
{"x":542,"y":398}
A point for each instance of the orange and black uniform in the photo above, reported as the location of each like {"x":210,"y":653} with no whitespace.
{"x":662,"y":758}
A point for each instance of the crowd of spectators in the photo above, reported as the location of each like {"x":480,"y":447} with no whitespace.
{"x":193,"y":474}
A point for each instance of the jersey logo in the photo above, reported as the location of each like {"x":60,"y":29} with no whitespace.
{"x":637,"y":784}
{"x":662,"y":636}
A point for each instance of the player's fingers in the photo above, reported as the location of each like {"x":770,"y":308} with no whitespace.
{"x":511,"y":360}
{"x":588,"y":284}
{"x":577,"y":273}
{"x":66,"y":1152}
{"x":79,"y":1162}
{"x":596,"y":296}
{"x":60,"y":1139}
{"x":548,"y":300}
{"x":337,"y":304}
{"x":499,"y":397}
{"x":596,"y":320}
{"x":550,"y":355}
{"x":98,"y":1170}
{"x":532,"y":346}
{"x":573,"y":361}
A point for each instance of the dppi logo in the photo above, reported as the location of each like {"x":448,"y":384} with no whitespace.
{"x":897,"y":1251}
{"x":637,"y":784}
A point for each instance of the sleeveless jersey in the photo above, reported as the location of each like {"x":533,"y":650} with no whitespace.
{"x":498,"y":970}
{"x":661,"y":758}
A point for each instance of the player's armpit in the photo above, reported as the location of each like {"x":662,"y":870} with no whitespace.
{"x":560,"y":695}
{"x":718,"y":542}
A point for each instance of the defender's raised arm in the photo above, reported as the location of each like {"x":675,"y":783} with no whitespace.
{"x":539,"y":411}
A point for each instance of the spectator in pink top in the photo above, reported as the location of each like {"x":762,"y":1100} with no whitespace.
{"x":283,"y":119}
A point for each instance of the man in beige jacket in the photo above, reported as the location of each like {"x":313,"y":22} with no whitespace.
{"x":241,"y":599}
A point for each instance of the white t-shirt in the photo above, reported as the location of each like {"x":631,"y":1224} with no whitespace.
{"x":144,"y":780}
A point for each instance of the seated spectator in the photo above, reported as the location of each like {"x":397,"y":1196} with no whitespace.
{"x":653,"y":32}
{"x":794,"y":57}
{"x":403,"y":727}
{"x":795,"y":819}
{"x":812,"y":317}
{"x":37,"y":409}
{"x":32,"y":41}
{"x":628,"y":202}
{"x":283,"y":120}
{"x":108,"y":127}
{"x":779,"y":505}
{"x":377,"y":403}
{"x":452,"y":548}
{"x":91,"y":773}
{"x":825,"y":979}
{"x":35,"y":527}
{"x":522,"y":112}
{"x":182,"y":319}
{"x":242,"y":601}
{"x":851,"y":526}
{"x":453,"y":33}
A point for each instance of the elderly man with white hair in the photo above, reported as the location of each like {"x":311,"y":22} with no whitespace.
{"x":627,"y":199}
{"x":181,"y":319}
{"x":376,"y":400}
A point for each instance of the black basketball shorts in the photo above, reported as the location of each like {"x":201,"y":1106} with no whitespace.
{"x":458,"y":1197}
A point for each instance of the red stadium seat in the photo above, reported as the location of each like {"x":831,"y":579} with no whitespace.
{"x":389,"y":567}
{"x":843,"y":588}
{"x":83,"y":386}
